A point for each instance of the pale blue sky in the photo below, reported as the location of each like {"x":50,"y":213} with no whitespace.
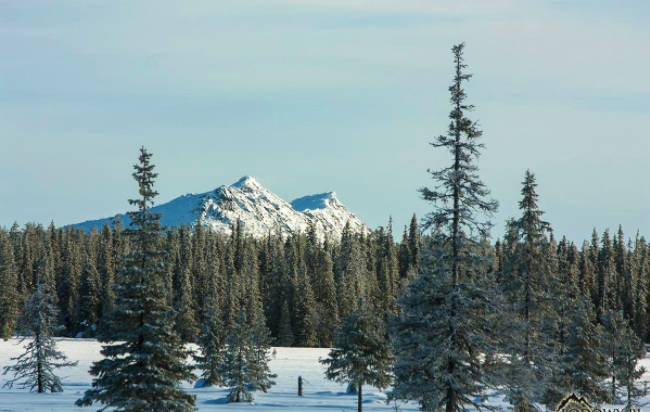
{"x":317,"y":95}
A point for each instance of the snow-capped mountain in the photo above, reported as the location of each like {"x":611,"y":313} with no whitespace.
{"x":259,"y":209}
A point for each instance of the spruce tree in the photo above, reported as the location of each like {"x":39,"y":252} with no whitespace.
{"x":607,"y":297}
{"x":584,"y":366}
{"x":404,"y":256}
{"x":628,"y":372}
{"x":211,"y":342}
{"x":106,"y":269}
{"x":526,"y":284}
{"x":185,"y":316}
{"x":362,"y":355}
{"x":414,"y":242}
{"x":614,"y":327}
{"x":327,"y":307}
{"x":68,"y":287}
{"x":641,"y":302}
{"x":443,"y":337}
{"x":143,"y":356}
{"x":285,"y":332}
{"x":90,"y":300}
{"x":245,"y":367}
{"x":35,"y":369}
{"x":261,"y":339}
{"x":304,"y":313}
{"x":9,"y":298}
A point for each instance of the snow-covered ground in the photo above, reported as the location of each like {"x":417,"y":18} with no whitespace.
{"x":288,"y":363}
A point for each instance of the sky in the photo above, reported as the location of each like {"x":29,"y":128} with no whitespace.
{"x":311,"y":96}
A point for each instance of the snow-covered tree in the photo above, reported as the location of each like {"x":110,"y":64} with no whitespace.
{"x":362,"y":355}
{"x":144,"y":358}
{"x":245,"y":366}
{"x":628,"y":372}
{"x":414,"y":240}
{"x":584,"y":365}
{"x":444,"y":335}
{"x":261,"y":340}
{"x":615,"y":327}
{"x":211,"y":341}
{"x":526,"y":282}
{"x":35,"y":369}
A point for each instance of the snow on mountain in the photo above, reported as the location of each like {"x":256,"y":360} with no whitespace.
{"x":259,"y":209}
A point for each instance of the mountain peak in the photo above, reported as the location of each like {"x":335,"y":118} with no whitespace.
{"x":247,"y":182}
{"x":260,"y":210}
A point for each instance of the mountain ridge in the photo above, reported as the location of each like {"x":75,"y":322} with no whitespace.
{"x":260,"y":210}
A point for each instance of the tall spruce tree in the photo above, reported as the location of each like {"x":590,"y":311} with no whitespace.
{"x":443,"y":337}
{"x":362,"y":355}
{"x":526,"y":283}
{"x":143,"y":356}
{"x":414,"y":243}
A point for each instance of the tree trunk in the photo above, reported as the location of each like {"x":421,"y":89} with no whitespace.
{"x":39,"y":362}
{"x":360,"y":399}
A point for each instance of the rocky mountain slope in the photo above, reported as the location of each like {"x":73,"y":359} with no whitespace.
{"x":259,"y":209}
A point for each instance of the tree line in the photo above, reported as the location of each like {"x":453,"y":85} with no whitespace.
{"x":301,"y":284}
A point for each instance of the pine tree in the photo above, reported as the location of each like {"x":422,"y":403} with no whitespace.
{"x":211,"y":342}
{"x":641,"y":310}
{"x":106,"y":268}
{"x":404,"y":256}
{"x":607,"y":297}
{"x":285,"y":332}
{"x":35,"y":369}
{"x":583,"y":362}
{"x":261,"y":340}
{"x":304,"y":313}
{"x":629,"y":351}
{"x":327,"y":308}
{"x":414,"y":242}
{"x":526,"y":282}
{"x":362,"y":355}
{"x":185,"y":316}
{"x":443,"y":338}
{"x":143,"y":356}
{"x":68,"y":288}
{"x":243,"y":369}
{"x":587,"y":272}
{"x":9,"y":298}
{"x":614,"y":327}
{"x":90,"y":300}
